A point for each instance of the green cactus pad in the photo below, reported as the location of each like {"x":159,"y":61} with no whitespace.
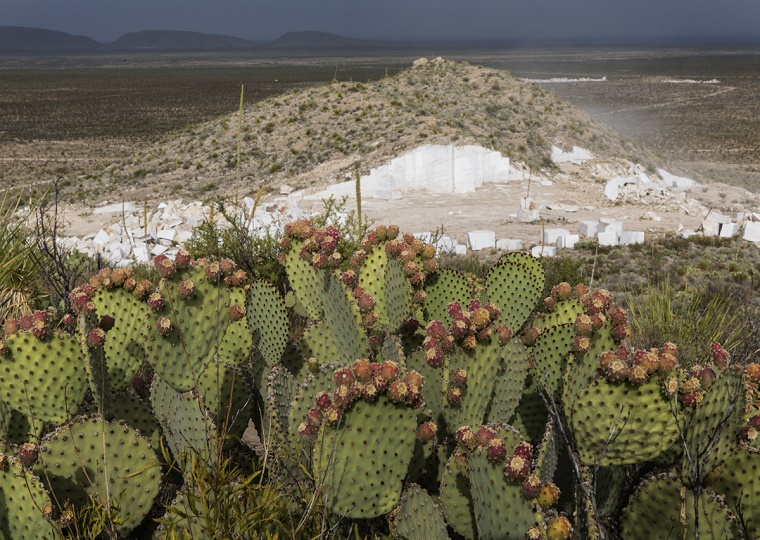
{"x":550,"y":354}
{"x":419,"y":517}
{"x":432,"y":390}
{"x":548,"y":453}
{"x":564,"y":312}
{"x":317,"y":342}
{"x":94,"y":458}
{"x":655,"y":512}
{"x":442,"y":287}
{"x":343,"y":320}
{"x":227,"y":396}
{"x":509,"y":384}
{"x":456,"y":500}
{"x":610,"y":482}
{"x":97,"y":375}
{"x":22,"y":499}
{"x":533,"y":264}
{"x":305,"y":280}
{"x":236,"y":345}
{"x":23,"y":429}
{"x":281,"y":391}
{"x":531,"y":416}
{"x":740,"y":484}
{"x":712,"y":430}
{"x":516,"y":288}
{"x":482,"y":366}
{"x":640,"y":417}
{"x":43,"y":379}
{"x":138,"y":414}
{"x":393,"y":351}
{"x":186,"y":424}
{"x":268,"y":320}
{"x":501,"y":511}
{"x":124,"y":351}
{"x":384,"y":279}
{"x":363,"y":462}
{"x":199,"y":323}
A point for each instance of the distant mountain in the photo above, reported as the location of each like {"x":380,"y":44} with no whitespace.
{"x":309,"y":39}
{"x":172,"y":40}
{"x":23,"y":39}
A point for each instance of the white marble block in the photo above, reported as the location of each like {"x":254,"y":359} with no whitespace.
{"x":543,"y":251}
{"x":628,"y":238}
{"x":589,"y":229}
{"x":607,"y":238}
{"x":478,"y":240}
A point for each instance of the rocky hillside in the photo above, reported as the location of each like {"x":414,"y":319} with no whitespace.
{"x":23,"y":39}
{"x":321,"y":135}
{"x":309,"y":39}
{"x":172,"y":40}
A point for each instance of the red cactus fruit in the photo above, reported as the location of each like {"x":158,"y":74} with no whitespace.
{"x":414,"y":379}
{"x":516,"y":469}
{"x":752,"y":372}
{"x":670,"y":386}
{"x":562,"y":291}
{"x":485,"y":334}
{"x":484,"y":435}
{"x":649,"y":360}
{"x":460,"y":328}
{"x":236,"y":312}
{"x":319,"y":261}
{"x":120,"y":275}
{"x":465,"y":437}
{"x":26,"y":322}
{"x":164,"y":325}
{"x":332,"y":231}
{"x":96,"y":337}
{"x":181,"y":260}
{"x":411,"y":268}
{"x":12,"y":326}
{"x":363,"y":371}
{"x":531,"y":486}
{"x":548,"y":495}
{"x":427,"y":431}
{"x":617,"y":371}
{"x":129,"y":284}
{"x":314,"y":417}
{"x":68,"y":321}
{"x":706,"y":377}
{"x":637,"y":374}
{"x":107,"y":322}
{"x":459,"y":378}
{"x":481,"y":318}
{"x":307,"y":431}
{"x":392,"y":232}
{"x":342,"y":396}
{"x":581,"y":344}
{"x":227,"y":266}
{"x":419,"y":296}
{"x":620,"y":332}
{"x":559,"y":528}
{"x":348,"y":278}
{"x":550,"y":303}
{"x":504,"y":333}
{"x":368,"y":391}
{"x":623,"y":353}
{"x":597,"y":321}
{"x":747,"y":434}
{"x":323,"y":401}
{"x":389,"y":370}
{"x":40,"y":329}
{"x":333,"y":416}
{"x":583,"y":326}
{"x":469,"y":342}
{"x":496,"y":451}
{"x":142,"y":290}
{"x":668,"y":362}
{"x":436,"y":330}
{"x":357,"y":259}
{"x":428,"y":252}
{"x":692,"y":399}
{"x":28,"y":454}
{"x":213,"y":272}
{"x":434,"y":356}
{"x":186,"y":289}
{"x":754,"y":421}
{"x":579,"y":291}
{"x":381,"y":231}
{"x":524,"y":450}
{"x":398,"y":391}
{"x":164,"y":265}
{"x":618,"y":317}
{"x":606,"y":358}
{"x":530,"y":336}
{"x":156,"y":301}
{"x":720,"y":355}
{"x":454,"y":395}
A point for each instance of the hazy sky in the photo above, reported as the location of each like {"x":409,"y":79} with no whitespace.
{"x":264,"y":20}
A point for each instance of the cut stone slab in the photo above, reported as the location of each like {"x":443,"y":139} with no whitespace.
{"x":509,"y":244}
{"x":478,"y":240}
{"x":140,"y":254}
{"x":576,"y":155}
{"x":551,"y":235}
{"x":752,"y":231}
{"x":728,"y":230}
{"x":446,"y":244}
{"x":101,"y":239}
{"x":674,"y":181}
{"x":460,"y":249}
{"x":528,"y":216}
{"x":543,"y":251}
{"x":158,"y":249}
{"x":567,"y":241}
{"x":616,"y":226}
{"x":718,"y":218}
{"x":710,"y":228}
{"x":589,"y":229}
{"x":628,"y":238}
{"x":608,"y":238}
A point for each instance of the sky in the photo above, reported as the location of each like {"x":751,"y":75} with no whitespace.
{"x":265,"y":20}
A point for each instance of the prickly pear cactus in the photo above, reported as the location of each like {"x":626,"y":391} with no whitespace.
{"x":739,"y":482}
{"x":662,"y":507}
{"x":268,"y":320}
{"x":443,"y":287}
{"x":515,"y":284}
{"x":26,"y":511}
{"x":383,"y":278}
{"x":456,"y":497}
{"x":305,"y":280}
{"x":364,"y":460}
{"x":43,"y":378}
{"x":550,"y":354}
{"x":106,"y":460}
{"x":227,"y":395}
{"x":509,"y":383}
{"x":138,"y":414}
{"x":417,"y":516}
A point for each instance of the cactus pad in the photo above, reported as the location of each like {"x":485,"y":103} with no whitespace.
{"x":364,"y":461}
{"x":456,"y":499}
{"x":227,"y":396}
{"x":80,"y":458}
{"x":509,"y":384}
{"x":268,"y":320}
{"x":419,"y":517}
{"x":516,"y":288}
{"x":740,"y":484}
{"x":384,"y":279}
{"x":442,"y":287}
{"x":44,"y":379}
{"x":305,"y":280}
{"x":22,"y":499}
{"x":639,"y":418}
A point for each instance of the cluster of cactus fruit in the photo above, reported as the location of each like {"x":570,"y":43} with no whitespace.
{"x":371,"y":405}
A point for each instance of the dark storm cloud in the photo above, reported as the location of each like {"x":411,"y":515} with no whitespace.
{"x":106,"y":20}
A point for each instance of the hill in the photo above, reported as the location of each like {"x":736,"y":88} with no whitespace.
{"x":309,"y":39}
{"x":321,"y":134}
{"x":23,"y":39}
{"x":173,"y":40}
